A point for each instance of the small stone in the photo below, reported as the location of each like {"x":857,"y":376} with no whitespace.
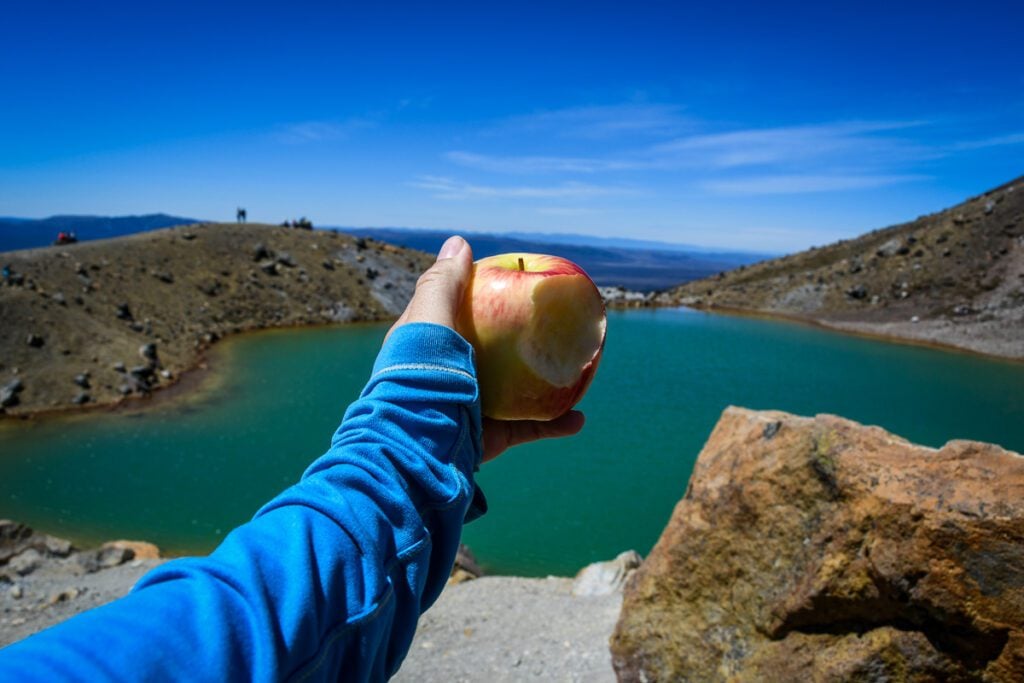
{"x":118,"y":366}
{"x":59,"y":298}
{"x":123,"y":312}
{"x":857,"y":292}
{"x":16,"y":592}
{"x":148,"y":351}
{"x":166,"y":374}
{"x":35,"y":341}
{"x":63,"y":596}
{"x":269,"y":267}
{"x":260,"y":252}
{"x":989,"y":207}
{"x":82,"y":380}
{"x":915,"y":319}
{"x":81,"y":398}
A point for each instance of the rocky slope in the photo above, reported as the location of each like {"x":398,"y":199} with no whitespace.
{"x":954,"y":278}
{"x":94,"y":323}
{"x":45,"y":580}
{"x":822,"y":550}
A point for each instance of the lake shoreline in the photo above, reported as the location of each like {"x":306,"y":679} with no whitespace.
{"x":184,"y":385}
{"x":858,"y":329}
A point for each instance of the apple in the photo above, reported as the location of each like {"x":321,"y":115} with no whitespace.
{"x":537,"y":325}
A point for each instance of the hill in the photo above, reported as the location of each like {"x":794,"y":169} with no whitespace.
{"x":954,"y":278}
{"x":643,"y":266}
{"x":97,"y":322}
{"x":28,"y":233}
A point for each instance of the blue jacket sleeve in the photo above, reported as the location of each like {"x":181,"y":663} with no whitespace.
{"x":329,"y":578}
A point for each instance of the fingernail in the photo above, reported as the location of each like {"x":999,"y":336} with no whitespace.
{"x":452,"y":246}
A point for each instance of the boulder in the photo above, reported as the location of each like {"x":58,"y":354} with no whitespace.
{"x":605,"y":578}
{"x":820,"y":549}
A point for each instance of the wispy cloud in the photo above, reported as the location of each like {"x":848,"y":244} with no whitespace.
{"x":998,"y":141}
{"x":802,"y":184}
{"x":449,"y":188}
{"x":539,"y":164}
{"x":320,"y":131}
{"x":601,"y":121}
{"x":791,"y":144}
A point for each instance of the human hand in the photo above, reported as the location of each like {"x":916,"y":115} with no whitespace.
{"x":439,"y":292}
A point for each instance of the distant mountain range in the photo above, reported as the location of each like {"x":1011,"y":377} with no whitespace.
{"x":28,"y":233}
{"x":636,"y":264}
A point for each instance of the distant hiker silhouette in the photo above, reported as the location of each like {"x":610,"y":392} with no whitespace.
{"x":240,"y":215}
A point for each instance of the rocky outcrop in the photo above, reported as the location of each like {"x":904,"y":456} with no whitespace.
{"x":819,"y":549}
{"x":79,"y":312}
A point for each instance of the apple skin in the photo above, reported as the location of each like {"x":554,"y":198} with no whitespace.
{"x":537,"y":324}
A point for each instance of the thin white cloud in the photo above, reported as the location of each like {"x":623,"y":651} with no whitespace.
{"x":790,"y":144}
{"x":539,"y":164}
{"x":802,"y":184}
{"x":998,"y":141}
{"x":565,"y":211}
{"x":320,"y":131}
{"x":601,"y":121}
{"x":449,"y":188}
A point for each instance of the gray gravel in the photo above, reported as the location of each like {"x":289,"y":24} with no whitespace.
{"x":499,"y":628}
{"x":57,"y":590}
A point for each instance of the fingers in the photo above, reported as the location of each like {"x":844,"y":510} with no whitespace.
{"x":440,"y":289}
{"x":500,"y":435}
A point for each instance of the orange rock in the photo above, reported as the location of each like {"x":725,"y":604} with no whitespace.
{"x":820,"y":549}
{"x":141,"y":549}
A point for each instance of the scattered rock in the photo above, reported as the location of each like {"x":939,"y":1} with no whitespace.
{"x":328,"y":264}
{"x":35,"y":341}
{"x":857,"y":292}
{"x":285,"y":259}
{"x":9,"y":393}
{"x":269,"y":267}
{"x":81,"y":398}
{"x":140,"y":550}
{"x":25,"y":562}
{"x":59,"y":299}
{"x":164,"y":276}
{"x":604,"y":578}
{"x":123,"y":312}
{"x":990,"y":206}
{"x":119,"y":366}
{"x":833,"y":552}
{"x":16,"y":592}
{"x":65,"y":595}
{"x":260,"y":252}
{"x":148,"y":351}
{"x":82,"y":380}
{"x":466,"y":568}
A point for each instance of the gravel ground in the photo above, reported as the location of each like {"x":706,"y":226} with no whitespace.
{"x":498,"y":629}
{"x":58,"y":590}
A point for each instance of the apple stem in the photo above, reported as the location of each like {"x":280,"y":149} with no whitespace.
{"x":522,"y":266}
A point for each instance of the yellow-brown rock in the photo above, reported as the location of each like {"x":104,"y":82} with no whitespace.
{"x":141,"y":550}
{"x":823,"y":550}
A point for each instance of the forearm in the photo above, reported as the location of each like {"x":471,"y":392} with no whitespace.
{"x":329,"y":578}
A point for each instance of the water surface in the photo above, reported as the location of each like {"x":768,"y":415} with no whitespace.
{"x":184,"y":473}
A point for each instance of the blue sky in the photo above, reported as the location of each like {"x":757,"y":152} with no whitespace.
{"x":761,"y":126}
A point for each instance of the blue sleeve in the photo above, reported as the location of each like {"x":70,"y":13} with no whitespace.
{"x":329,"y":578}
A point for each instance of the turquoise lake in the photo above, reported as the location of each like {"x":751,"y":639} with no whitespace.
{"x":183,"y":472}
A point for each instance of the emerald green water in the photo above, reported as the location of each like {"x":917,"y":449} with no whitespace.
{"x":183,"y":473}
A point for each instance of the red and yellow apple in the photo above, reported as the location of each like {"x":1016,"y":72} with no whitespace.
{"x":537,"y":325}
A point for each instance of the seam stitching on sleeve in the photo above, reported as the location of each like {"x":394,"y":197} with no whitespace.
{"x":423,"y":366}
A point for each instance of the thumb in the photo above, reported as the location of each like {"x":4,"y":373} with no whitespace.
{"x":440,"y":289}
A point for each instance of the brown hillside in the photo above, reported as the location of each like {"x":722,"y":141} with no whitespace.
{"x":955,"y":277}
{"x":77,"y":318}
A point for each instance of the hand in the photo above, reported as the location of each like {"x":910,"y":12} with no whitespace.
{"x":439,"y":293}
